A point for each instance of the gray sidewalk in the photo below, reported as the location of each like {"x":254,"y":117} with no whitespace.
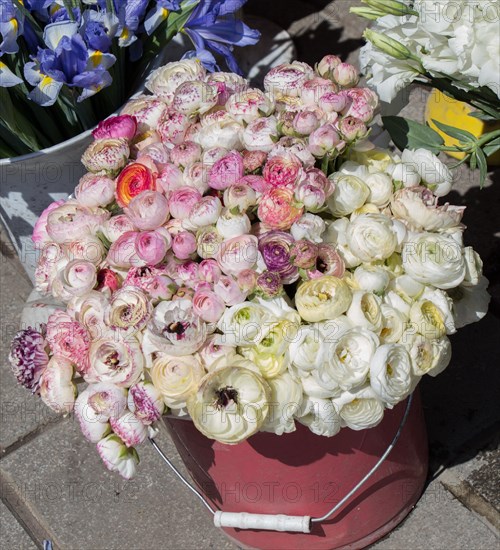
{"x":54,"y":486}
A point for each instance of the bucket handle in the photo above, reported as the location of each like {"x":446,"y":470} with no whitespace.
{"x":280,"y":522}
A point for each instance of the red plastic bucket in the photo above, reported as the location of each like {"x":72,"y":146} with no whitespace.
{"x":304,"y":474}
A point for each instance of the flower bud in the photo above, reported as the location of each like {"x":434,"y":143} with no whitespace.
{"x":208,"y":305}
{"x":239,"y":197}
{"x":389,"y":45}
{"x":183,"y":245}
{"x":185,"y":153}
{"x":253,"y":160}
{"x":324,"y":140}
{"x":314,"y":89}
{"x":269,"y":284}
{"x":121,"y":126}
{"x":305,"y":123}
{"x":95,"y":190}
{"x":108,"y":155}
{"x":117,"y":457}
{"x":129,"y":429}
{"x":345,"y":75}
{"x":182,"y":200}
{"x":327,"y":65}
{"x":172,"y":126}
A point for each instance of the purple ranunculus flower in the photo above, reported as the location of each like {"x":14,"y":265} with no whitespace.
{"x":275,"y":249}
{"x":28,"y":358}
{"x":269,"y":284}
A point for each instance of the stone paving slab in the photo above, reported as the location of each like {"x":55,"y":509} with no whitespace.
{"x":60,"y":484}
{"x":12,"y":535}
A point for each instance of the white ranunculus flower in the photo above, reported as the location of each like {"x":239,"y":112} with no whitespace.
{"x":245,"y":324}
{"x":307,"y":350}
{"x":427,"y":356}
{"x":224,"y":133}
{"x":434,"y":173}
{"x":232,"y":225}
{"x":336,"y":233}
{"x":435,"y":259}
{"x":285,"y":401}
{"x":309,"y":227}
{"x":473,"y":267}
{"x":231,"y":404}
{"x":432,"y":314}
{"x":349,"y":360}
{"x":372,"y":278}
{"x":365,"y":311}
{"x":117,"y":457}
{"x":324,"y":298}
{"x":380,"y":186}
{"x":350,"y":193}
{"x":320,"y":416}
{"x":166,"y":79}
{"x":390,"y":373}
{"x":470,"y":303}
{"x":404,"y":173}
{"x":393,"y":324}
{"x":371,"y":237}
{"x":313,"y":389}
{"x":360,"y":409}
{"x":176,"y":378}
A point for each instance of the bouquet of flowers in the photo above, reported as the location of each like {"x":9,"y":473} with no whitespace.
{"x":55,"y":55}
{"x":247,"y":258}
{"x":450,"y":45}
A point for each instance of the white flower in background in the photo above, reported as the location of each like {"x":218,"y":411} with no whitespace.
{"x":359,"y":409}
{"x":117,"y":457}
{"x":230,"y":404}
{"x":390,"y":373}
{"x":371,"y":237}
{"x":365,"y":311}
{"x":349,"y":361}
{"x":427,"y":356}
{"x":284,"y":403}
{"x":433,"y":172}
{"x":470,"y":303}
{"x":176,"y":378}
{"x":435,"y":259}
{"x":320,"y":416}
{"x":372,"y":278}
{"x":324,"y":298}
{"x":350,"y":193}
{"x":393,"y":324}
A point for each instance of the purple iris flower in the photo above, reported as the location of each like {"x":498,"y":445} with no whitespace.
{"x":11,"y":26}
{"x":62,"y":15}
{"x":96,"y":36}
{"x":212,"y":26}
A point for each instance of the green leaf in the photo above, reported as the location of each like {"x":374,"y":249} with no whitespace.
{"x":483,"y":167}
{"x":492,"y":147}
{"x":482,"y":116}
{"x":457,"y":133}
{"x":16,"y":123}
{"x":473,"y":161}
{"x":408,"y":134}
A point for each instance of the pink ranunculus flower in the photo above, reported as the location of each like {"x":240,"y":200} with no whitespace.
{"x":157,"y":153}
{"x":249,"y":105}
{"x":116,"y":226}
{"x":345,"y":75}
{"x":148,"y":210}
{"x":313,"y":89}
{"x":283,"y":170}
{"x":108,"y":155}
{"x":172,"y":126}
{"x":305,"y":122}
{"x":194,"y":98}
{"x":296,"y":146}
{"x":257,"y":183}
{"x":195,"y":175}
{"x":278,"y":210}
{"x":182,"y":200}
{"x":129,"y":429}
{"x":227,"y":171}
{"x":108,"y":279}
{"x":40,"y":234}
{"x":122,"y":253}
{"x":151,"y":247}
{"x":146,"y":110}
{"x":121,"y":126}
{"x":71,"y":220}
{"x":237,"y":254}
{"x":185,"y":153}
{"x":68,"y":338}
{"x":76,"y":279}
{"x":226,"y":84}
{"x":325,"y":140}
{"x":288,"y":79}
{"x":51,"y":261}
{"x":95,"y":190}
{"x":187,"y":273}
{"x":327,"y":65}
{"x":260,"y":134}
{"x":89,"y":248}
{"x":120,"y":362}
{"x":311,"y":196}
{"x":170,"y":178}
{"x":184,"y":245}
{"x":153,"y":281}
{"x":352,"y":128}
{"x":146,"y":402}
{"x":328,"y":262}
{"x":333,"y":102}
{"x":253,"y":160}
{"x":240,"y":197}
{"x":247,"y":279}
{"x":57,"y":389}
{"x":208,"y":305}
{"x":361,"y":109}
{"x":229,"y":290}
{"x":205,"y":212}
{"x":209,"y":271}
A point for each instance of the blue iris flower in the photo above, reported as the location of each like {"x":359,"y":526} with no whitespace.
{"x":213,"y":27}
{"x":11,"y":26}
{"x":96,"y":36}
{"x":62,"y":15}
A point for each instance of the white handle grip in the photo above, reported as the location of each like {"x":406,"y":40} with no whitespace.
{"x":268,"y":522}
